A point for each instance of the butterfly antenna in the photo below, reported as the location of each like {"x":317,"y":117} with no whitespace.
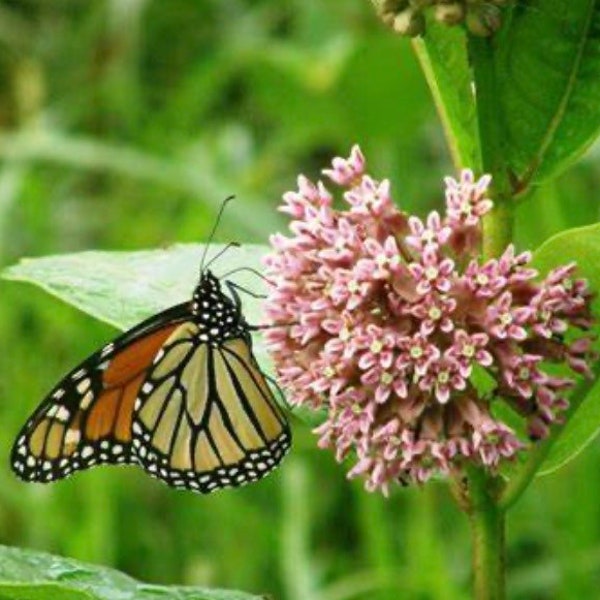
{"x":248,"y":270}
{"x":221,"y":252}
{"x":213,"y":231}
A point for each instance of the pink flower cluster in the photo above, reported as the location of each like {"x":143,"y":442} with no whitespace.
{"x":394,"y":326}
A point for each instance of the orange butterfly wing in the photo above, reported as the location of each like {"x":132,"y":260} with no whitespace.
{"x":86,"y":419}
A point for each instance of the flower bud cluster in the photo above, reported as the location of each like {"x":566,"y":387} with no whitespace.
{"x":408,"y":17}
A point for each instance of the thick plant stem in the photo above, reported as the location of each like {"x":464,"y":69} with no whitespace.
{"x":487,"y":522}
{"x":487,"y":532}
{"x":497,"y":230}
{"x":498,"y":225}
{"x":487,"y":518}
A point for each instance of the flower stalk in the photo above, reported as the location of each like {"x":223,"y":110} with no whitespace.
{"x":498,"y":225}
{"x":395,"y":320}
{"x":486,"y":517}
{"x":487,"y":521}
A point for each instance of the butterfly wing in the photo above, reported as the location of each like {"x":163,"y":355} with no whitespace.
{"x":86,"y":419}
{"x":205,"y":417}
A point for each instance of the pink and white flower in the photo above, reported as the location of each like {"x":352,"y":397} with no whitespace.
{"x":384,"y":320}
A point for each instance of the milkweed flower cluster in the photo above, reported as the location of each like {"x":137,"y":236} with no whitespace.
{"x":408,"y":340}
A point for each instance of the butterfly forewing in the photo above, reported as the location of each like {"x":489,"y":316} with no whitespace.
{"x":86,"y":419}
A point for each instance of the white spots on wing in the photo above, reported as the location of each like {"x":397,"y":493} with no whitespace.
{"x":72,"y":436}
{"x":84,"y":385}
{"x":86,"y":400}
{"x":78,"y":374}
{"x":147,"y":387}
{"x":58,"y":394}
{"x":117,"y":449}
{"x":62,"y":414}
{"x":87,"y":452}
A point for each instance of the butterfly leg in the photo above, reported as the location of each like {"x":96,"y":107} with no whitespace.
{"x":233,"y":290}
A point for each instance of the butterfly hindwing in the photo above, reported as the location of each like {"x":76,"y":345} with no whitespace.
{"x":205,"y":417}
{"x":86,"y":419}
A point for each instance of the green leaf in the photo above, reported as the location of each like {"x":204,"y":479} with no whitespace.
{"x":581,"y":245}
{"x":577,"y":434}
{"x":548,"y":62}
{"x":123,"y":288}
{"x":31,"y":575}
{"x":443,"y":57}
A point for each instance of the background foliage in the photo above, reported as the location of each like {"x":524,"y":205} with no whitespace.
{"x":124,"y":124}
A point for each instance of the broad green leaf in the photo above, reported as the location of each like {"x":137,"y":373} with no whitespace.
{"x":32,"y":575}
{"x":548,"y":62}
{"x":123,"y":288}
{"x":578,"y":433}
{"x":443,"y":57}
{"x":581,"y":245}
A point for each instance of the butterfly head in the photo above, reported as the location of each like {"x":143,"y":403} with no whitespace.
{"x":214,"y":310}
{"x":208,"y":289}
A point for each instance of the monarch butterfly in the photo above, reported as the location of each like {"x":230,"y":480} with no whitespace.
{"x":180,"y":394}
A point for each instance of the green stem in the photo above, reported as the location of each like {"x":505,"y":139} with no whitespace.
{"x":497,"y":229}
{"x":487,"y":531}
{"x":498,"y":224}
{"x":487,"y":518}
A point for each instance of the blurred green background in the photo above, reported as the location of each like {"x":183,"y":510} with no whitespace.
{"x":124,"y":124}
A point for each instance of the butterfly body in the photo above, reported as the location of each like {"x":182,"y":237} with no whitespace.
{"x":180,"y":394}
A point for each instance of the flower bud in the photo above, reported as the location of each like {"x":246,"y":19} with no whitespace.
{"x":409,"y":22}
{"x":484,"y":20}
{"x":450,"y":14}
